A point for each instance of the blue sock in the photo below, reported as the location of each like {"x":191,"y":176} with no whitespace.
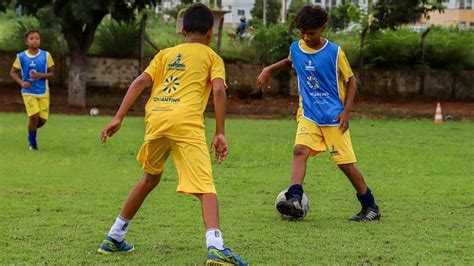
{"x":367,"y":200}
{"x":296,"y":190}
{"x":32,"y":137}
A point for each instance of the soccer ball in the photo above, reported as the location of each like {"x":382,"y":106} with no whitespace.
{"x":304,"y":203}
{"x":94,"y":111}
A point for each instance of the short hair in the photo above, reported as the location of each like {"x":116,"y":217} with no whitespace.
{"x":198,"y":19}
{"x":31,"y":32}
{"x":311,"y":17}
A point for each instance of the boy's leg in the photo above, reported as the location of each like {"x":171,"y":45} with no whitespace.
{"x":370,"y":211}
{"x":114,"y":241}
{"x":217,"y":254}
{"x":32,"y":130}
{"x":41,"y":122}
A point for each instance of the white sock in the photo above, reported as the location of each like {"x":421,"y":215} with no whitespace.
{"x":214,"y":238}
{"x":119,"y":229}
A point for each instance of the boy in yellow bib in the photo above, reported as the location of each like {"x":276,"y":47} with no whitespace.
{"x":36,"y":67}
{"x":326,"y":87}
{"x":182,"y":77}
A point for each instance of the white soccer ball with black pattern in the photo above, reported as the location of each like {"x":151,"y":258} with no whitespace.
{"x":305,"y":204}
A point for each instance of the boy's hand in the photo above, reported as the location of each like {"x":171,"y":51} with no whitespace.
{"x":343,"y":119}
{"x":25,"y":84}
{"x":263,"y":78}
{"x":110,"y":129}
{"x":219,"y":144}
{"x":36,"y":75}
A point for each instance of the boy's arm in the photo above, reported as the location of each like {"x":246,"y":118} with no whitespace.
{"x":14,"y":73}
{"x":219,"y":142}
{"x":135,"y":89}
{"x":264,"y":77}
{"x":48,"y":75}
{"x":349,"y":101}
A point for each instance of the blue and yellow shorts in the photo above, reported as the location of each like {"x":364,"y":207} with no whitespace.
{"x":37,"y":104}
{"x":192,"y":162}
{"x":317,"y":138}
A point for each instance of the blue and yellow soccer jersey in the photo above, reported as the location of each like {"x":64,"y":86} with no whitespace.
{"x":321,"y":77}
{"x":182,"y":80}
{"x":29,"y":64}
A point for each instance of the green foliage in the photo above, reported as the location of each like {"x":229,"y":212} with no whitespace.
{"x":341,"y":16}
{"x":391,"y":14}
{"x":450,"y":49}
{"x":272,"y":43}
{"x":118,"y":39}
{"x":393,"y":49}
{"x":273,"y":11}
{"x":45,"y":21}
{"x":59,"y":203}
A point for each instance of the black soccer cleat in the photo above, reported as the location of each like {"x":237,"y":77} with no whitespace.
{"x":367,"y":214}
{"x":33,"y":147}
{"x":291,"y":207}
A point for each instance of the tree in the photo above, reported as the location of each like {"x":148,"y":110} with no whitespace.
{"x":391,"y":14}
{"x":273,"y":10}
{"x":79,"y":20}
{"x":341,"y":16}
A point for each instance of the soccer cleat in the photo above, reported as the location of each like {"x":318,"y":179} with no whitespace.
{"x":33,"y":147}
{"x":291,"y":207}
{"x":110,"y":246}
{"x":367,"y":214}
{"x":216,"y":257}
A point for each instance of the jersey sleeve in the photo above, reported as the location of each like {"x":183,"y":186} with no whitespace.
{"x":217,"y":69}
{"x":152,"y":68}
{"x":343,"y":66}
{"x":50,"y":60}
{"x":16,"y":63}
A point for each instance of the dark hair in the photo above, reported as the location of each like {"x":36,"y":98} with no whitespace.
{"x":311,"y":17}
{"x":198,"y":19}
{"x":31,"y":32}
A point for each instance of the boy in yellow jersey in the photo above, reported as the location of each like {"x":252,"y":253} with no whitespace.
{"x":36,"y":67}
{"x":327,"y":88}
{"x":182,"y":77}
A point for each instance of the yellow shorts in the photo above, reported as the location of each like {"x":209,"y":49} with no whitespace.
{"x":192,"y":162}
{"x":37,"y":104}
{"x":318,"y":137}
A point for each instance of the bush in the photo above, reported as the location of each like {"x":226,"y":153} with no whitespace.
{"x":118,"y":39}
{"x":450,"y":49}
{"x":272,"y":44}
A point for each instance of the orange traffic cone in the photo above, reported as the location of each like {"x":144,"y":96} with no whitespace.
{"x":438,"y":118}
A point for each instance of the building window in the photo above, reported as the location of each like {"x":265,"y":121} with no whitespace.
{"x":333,"y":3}
{"x":355,"y":2}
{"x":471,"y":25}
{"x":317,"y":1}
{"x":461,"y":4}
{"x":462,"y":24}
{"x":240,"y":12}
{"x":468,"y":4}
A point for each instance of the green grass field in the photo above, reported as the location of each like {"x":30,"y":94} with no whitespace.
{"x":58,"y":204}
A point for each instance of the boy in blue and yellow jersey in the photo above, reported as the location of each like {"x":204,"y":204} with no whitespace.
{"x":326,"y":87}
{"x":182,"y":77}
{"x":36,"y":67}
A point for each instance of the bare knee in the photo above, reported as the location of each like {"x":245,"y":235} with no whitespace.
{"x":301,"y":151}
{"x":150,"y":180}
{"x":346,"y":168}
{"x":41,"y":122}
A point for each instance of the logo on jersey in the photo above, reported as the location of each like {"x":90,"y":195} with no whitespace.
{"x":32,"y":70}
{"x":176,"y":65}
{"x":309,"y":66}
{"x":171,"y":84}
{"x":312,"y":82}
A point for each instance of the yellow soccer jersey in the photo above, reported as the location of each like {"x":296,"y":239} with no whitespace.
{"x":182,"y":80}
{"x":16,"y":63}
{"x":343,"y":68}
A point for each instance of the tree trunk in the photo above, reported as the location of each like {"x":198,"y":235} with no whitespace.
{"x":363,"y":34}
{"x":77,"y":79}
